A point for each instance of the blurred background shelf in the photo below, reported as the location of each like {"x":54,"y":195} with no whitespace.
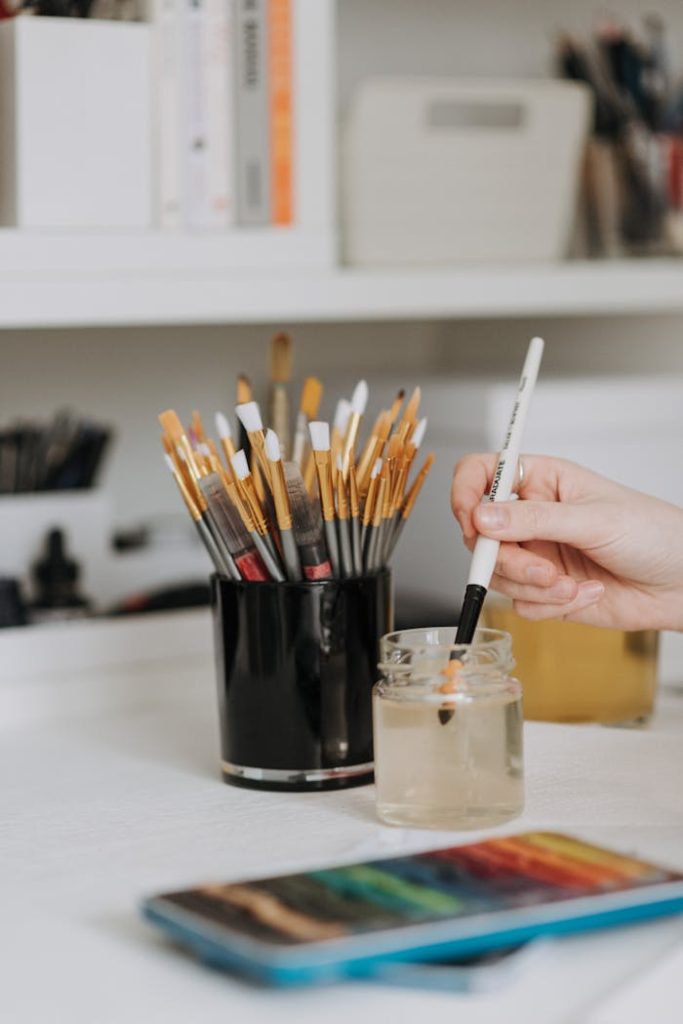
{"x":157,"y":280}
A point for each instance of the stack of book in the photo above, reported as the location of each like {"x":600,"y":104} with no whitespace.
{"x":224,"y":114}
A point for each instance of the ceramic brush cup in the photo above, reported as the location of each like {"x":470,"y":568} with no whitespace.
{"x":295,"y":664}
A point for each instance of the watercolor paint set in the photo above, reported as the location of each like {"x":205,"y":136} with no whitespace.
{"x":366,"y":920}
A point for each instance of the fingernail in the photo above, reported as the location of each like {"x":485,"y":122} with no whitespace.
{"x":592,"y":591}
{"x":493,"y":516}
{"x":539,"y":575}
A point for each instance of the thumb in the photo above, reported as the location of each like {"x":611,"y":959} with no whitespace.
{"x":576,"y":525}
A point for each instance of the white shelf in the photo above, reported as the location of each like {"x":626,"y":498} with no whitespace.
{"x":51,"y":280}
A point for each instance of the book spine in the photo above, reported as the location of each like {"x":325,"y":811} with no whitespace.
{"x":281,"y":113}
{"x":164,"y":14}
{"x":252,"y":101}
{"x":193,"y":150}
{"x":219,"y":82}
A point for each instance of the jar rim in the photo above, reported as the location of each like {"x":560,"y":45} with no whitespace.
{"x":413,"y":640}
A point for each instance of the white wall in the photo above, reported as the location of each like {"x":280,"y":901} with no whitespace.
{"x":462,"y":37}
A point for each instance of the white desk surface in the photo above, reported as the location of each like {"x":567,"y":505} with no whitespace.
{"x":109,"y":791}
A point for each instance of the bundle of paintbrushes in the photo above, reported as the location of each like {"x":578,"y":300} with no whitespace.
{"x":64,"y":454}
{"x":326,"y":509}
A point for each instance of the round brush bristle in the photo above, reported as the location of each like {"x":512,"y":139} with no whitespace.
{"x":341,"y":415}
{"x":223,"y":426}
{"x":359,"y":398}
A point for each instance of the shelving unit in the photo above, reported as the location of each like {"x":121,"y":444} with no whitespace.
{"x":274,"y":276}
{"x":152,"y":279}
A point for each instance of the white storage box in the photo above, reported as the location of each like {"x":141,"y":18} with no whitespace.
{"x":446,"y":170}
{"x":75,"y":124}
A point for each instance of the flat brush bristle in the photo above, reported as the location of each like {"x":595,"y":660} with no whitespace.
{"x":198,"y":425}
{"x":171,"y":425}
{"x":385,"y":425}
{"x":320,"y":436}
{"x":306,"y":516}
{"x":240,"y":465}
{"x":396,"y":405}
{"x":311,"y":396}
{"x":394,"y":449}
{"x":413,"y":405}
{"x":281,"y":358}
{"x":249,"y":416}
{"x":243,"y":389}
{"x":418,"y":435}
{"x":272,"y":446}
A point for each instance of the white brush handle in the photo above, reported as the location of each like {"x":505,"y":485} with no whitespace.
{"x":486,"y":549}
{"x":300,"y":439}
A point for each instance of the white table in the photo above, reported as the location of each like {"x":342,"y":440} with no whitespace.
{"x":110,"y":791}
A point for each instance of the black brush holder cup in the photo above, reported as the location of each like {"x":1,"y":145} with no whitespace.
{"x":295,"y":664}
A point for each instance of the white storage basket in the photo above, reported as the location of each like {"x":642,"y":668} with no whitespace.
{"x":445,"y":170}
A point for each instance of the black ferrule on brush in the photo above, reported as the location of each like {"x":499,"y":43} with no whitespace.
{"x":471,"y":610}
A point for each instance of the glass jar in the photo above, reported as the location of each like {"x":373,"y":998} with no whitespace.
{"x":447,"y":730}
{"x":577,"y":673}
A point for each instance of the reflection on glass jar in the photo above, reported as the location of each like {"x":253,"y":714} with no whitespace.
{"x":575,"y":673}
{"x":447,"y":731}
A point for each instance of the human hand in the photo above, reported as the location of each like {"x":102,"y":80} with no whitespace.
{"x":578,"y":546}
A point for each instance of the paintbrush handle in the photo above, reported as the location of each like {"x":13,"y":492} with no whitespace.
{"x":368,"y":544}
{"x":356,"y":548}
{"x":396,"y":528}
{"x":345,"y":547}
{"x":300,"y":436}
{"x":221,"y":545}
{"x":332,"y":546}
{"x":291,"y":555}
{"x":380,"y":556}
{"x":267,"y":557}
{"x":209,"y":543}
{"x":279,"y":416}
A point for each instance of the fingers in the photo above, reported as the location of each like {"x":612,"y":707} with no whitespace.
{"x":524,"y":567}
{"x":473,"y":475}
{"x":588,"y":593}
{"x":562,"y":592}
{"x":574,"y":524}
{"x":471,"y":479}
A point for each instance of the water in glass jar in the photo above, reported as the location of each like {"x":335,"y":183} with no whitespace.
{"x":448,"y":766}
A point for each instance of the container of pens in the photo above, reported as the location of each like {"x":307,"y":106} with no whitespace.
{"x":302,"y":591}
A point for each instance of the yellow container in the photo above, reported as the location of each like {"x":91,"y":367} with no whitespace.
{"x":576,"y":673}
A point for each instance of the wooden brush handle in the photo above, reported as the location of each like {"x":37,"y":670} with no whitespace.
{"x":279,"y":417}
